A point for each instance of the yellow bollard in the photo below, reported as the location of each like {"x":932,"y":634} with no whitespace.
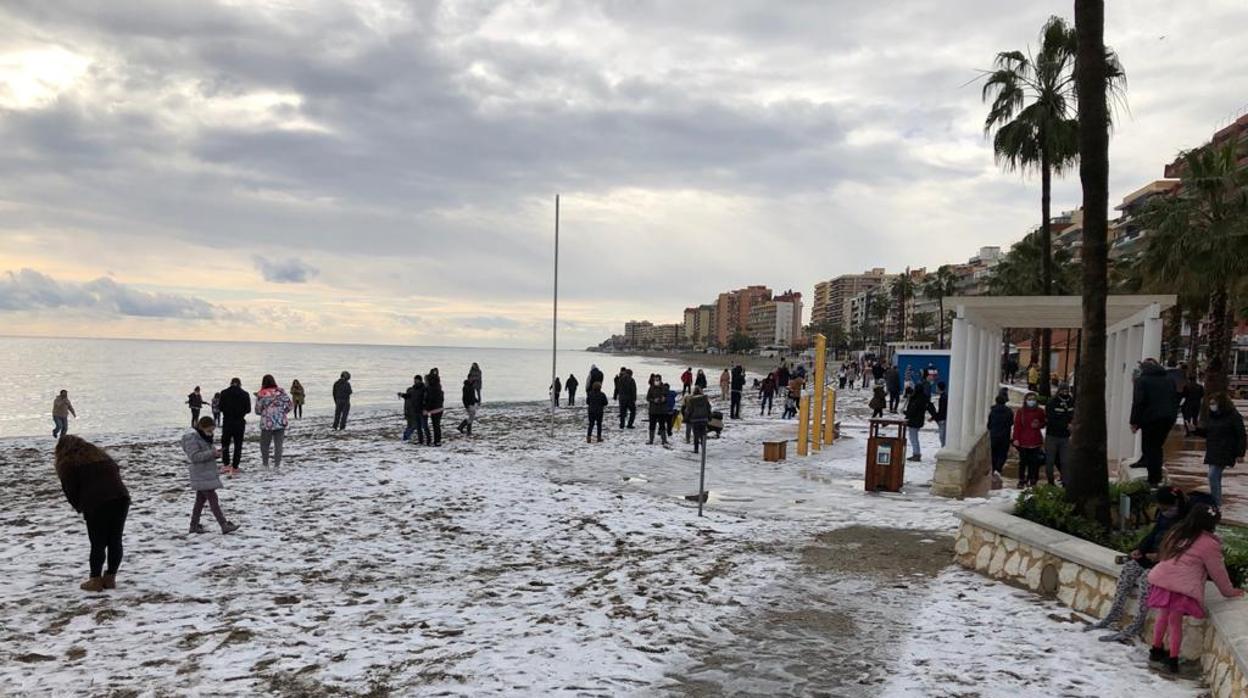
{"x":829,"y":422}
{"x":803,"y":425}
{"x":821,"y":378}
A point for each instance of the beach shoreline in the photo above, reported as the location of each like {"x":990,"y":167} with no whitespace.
{"x":752,"y":363}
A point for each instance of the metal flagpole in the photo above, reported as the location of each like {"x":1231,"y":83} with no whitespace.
{"x":702,"y":475}
{"x":554,"y":332}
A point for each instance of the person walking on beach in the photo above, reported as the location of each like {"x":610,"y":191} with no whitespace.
{"x":434,"y":400}
{"x":1225,"y":440}
{"x":474,"y":377}
{"x":414,"y":410}
{"x":1190,"y":554}
{"x":92,"y":485}
{"x":768,"y":392}
{"x":686,"y":381}
{"x":556,"y":389}
{"x":626,"y":388}
{"x":570,"y":385}
{"x":272,"y":405}
{"x":1193,"y":396}
{"x":1029,"y":440}
{"x":297,"y":396}
{"x":670,"y":408}
{"x":699,"y":381}
{"x":615,"y":394}
{"x":1000,"y":428}
{"x":61,"y":409}
{"x":469,"y":397}
{"x":216,"y":407}
{"x":656,"y":399}
{"x":202,"y":457}
{"x":596,"y":400}
{"x":595,"y":376}
{"x":738,"y":386}
{"x":1154,"y":407}
{"x":892,"y":383}
{"x":235,"y":406}
{"x":196,"y":402}
{"x":1059,"y":412}
{"x":342,"y":400}
{"x":698,"y":412}
{"x":878,"y":401}
{"x":725,"y":385}
{"x":941,"y":415}
{"x":917,"y":409}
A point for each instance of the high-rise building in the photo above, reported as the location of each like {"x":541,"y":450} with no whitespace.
{"x":699,"y":325}
{"x":667,"y":336}
{"x":638,"y":332}
{"x":772,"y":323}
{"x":831,"y":304}
{"x":732,"y":310}
{"x":794,"y":300}
{"x":1125,"y":233}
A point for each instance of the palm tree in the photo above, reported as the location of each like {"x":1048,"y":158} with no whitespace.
{"x":1034,"y":116}
{"x":922,"y":321}
{"x":940,"y":285}
{"x":878,"y":310}
{"x":1198,"y":241}
{"x":1088,"y":488}
{"x":902,"y":290}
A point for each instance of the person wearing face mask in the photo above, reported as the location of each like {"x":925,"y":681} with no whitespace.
{"x":1154,"y":407}
{"x":656,"y":399}
{"x":1225,"y":441}
{"x":1029,"y":440}
{"x":1058,"y":414}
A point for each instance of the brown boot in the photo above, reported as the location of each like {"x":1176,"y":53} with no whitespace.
{"x":95,"y":584}
{"x":110,"y":581}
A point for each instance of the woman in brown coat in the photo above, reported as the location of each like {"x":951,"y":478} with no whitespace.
{"x":92,"y":483}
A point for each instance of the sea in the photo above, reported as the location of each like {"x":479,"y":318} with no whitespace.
{"x":121,"y":386}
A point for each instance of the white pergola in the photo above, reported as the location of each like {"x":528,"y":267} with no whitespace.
{"x":1133,"y":326}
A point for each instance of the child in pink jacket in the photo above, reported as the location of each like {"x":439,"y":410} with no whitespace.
{"x":1189,"y":553}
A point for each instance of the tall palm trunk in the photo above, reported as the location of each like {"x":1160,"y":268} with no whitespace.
{"x":1046,"y":250}
{"x":1195,"y":316}
{"x":1219,"y":342}
{"x":940,"y":321}
{"x":1174,"y":335}
{"x":1088,"y":487}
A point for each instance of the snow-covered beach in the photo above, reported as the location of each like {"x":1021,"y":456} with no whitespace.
{"x":516,"y":564}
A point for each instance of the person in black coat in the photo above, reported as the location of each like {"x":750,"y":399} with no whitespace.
{"x":196,"y":402}
{"x":92,"y":485}
{"x":626,"y":394}
{"x":892,"y":383}
{"x":556,"y":390}
{"x":471,"y":401}
{"x":595,"y":376}
{"x":942,"y":410}
{"x":1193,"y":396}
{"x":1059,"y":413}
{"x":434,"y":401}
{"x":414,"y":410}
{"x":1154,"y":407}
{"x":596,"y":400}
{"x":342,"y":400}
{"x":235,"y":406}
{"x":570,"y":386}
{"x":1000,"y":428}
{"x":1225,"y":441}
{"x":918,"y":407}
{"x":738,"y":385}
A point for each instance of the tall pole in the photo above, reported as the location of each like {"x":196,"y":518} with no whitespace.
{"x":702,"y":475}
{"x":554,"y":329}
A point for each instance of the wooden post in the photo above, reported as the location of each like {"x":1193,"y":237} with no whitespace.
{"x":829,"y":422}
{"x":816,"y":411}
{"x":803,"y":424}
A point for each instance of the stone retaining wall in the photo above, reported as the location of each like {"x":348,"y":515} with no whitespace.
{"x":1083,"y":576}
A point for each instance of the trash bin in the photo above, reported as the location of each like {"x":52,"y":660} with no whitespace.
{"x":886,"y":456}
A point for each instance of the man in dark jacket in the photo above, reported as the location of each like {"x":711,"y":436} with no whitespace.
{"x":698,"y":412}
{"x":892,"y":383}
{"x":626,"y":394}
{"x":414,"y":409}
{"x":596,"y":400}
{"x":595,"y":376}
{"x":470,"y":400}
{"x":1059,"y":412}
{"x":1000,"y":428}
{"x":1154,"y":408}
{"x":570,"y":386}
{"x":235,"y":406}
{"x":656,"y":400}
{"x":434,"y":399}
{"x":942,"y":411}
{"x":738,"y":385}
{"x":1225,"y":440}
{"x":342,"y":400}
{"x":917,"y":408}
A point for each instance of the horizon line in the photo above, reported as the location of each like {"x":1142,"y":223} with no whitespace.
{"x":286,"y":342}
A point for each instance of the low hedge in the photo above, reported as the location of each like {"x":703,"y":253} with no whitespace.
{"x":1047,"y":506}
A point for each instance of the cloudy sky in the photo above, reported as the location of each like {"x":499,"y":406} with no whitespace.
{"x":384,"y":171}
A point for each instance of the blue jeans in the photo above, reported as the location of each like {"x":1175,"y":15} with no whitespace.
{"x":60,"y":426}
{"x":941,"y":426}
{"x":913,"y":433}
{"x":1215,"y":483}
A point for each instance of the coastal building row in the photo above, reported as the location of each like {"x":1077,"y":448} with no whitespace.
{"x":770,"y":320}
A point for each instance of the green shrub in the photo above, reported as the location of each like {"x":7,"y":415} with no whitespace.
{"x":1235,"y":550}
{"x":1047,"y":506}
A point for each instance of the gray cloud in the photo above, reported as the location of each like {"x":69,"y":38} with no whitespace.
{"x":284,"y":271}
{"x":28,"y":289}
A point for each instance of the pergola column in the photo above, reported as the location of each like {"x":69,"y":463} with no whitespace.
{"x":957,"y":376}
{"x":1113,"y":391}
{"x":969,"y":383}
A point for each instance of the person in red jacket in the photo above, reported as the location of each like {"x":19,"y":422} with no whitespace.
{"x":686,"y":381}
{"x":1029,"y":440}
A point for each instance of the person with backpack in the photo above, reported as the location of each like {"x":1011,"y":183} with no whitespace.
{"x":272,"y":406}
{"x":698,"y":413}
{"x":91,"y":481}
{"x":596,"y":400}
{"x":469,"y":397}
{"x":434,"y":401}
{"x":297,"y":396}
{"x":1190,"y":554}
{"x":342,"y":400}
{"x":202,"y":469}
{"x":1029,"y":440}
{"x":235,"y":406}
{"x":1059,"y":412}
{"x":1225,"y":440}
{"x":1000,"y":428}
{"x":570,"y":385}
{"x":414,"y":410}
{"x":196,"y":402}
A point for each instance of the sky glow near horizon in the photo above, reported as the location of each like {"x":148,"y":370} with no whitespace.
{"x":384,"y":172}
